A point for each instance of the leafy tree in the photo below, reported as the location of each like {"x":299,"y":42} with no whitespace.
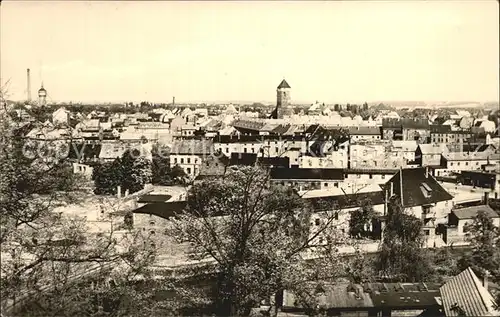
{"x":401,"y":256}
{"x":361,"y":220}
{"x":107,"y":177}
{"x":44,"y":252}
{"x":132,"y":171}
{"x":365,"y":106}
{"x":177,"y":174}
{"x":256,"y":234}
{"x":161,"y":165}
{"x":485,"y":241}
{"x":360,"y":268}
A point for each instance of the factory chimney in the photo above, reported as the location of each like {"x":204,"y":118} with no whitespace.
{"x":28,"y":88}
{"x":173,"y":101}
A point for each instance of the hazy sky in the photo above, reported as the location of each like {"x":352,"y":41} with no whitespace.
{"x":213,"y":51}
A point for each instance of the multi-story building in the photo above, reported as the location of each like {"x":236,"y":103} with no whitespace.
{"x":430,"y":154}
{"x":406,"y":129}
{"x":365,"y":134}
{"x":189,"y":155}
{"x":374,"y":155}
{"x":444,"y":134}
{"x":468,"y":161}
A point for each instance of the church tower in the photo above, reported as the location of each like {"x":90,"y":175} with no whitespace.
{"x":282,"y":99}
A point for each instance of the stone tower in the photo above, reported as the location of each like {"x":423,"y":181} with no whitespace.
{"x":282,"y":99}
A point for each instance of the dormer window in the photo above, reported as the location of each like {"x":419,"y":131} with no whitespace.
{"x":426,"y":190}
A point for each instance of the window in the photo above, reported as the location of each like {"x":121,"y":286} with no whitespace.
{"x":427,"y":232}
{"x":182,"y":160}
{"x":188,"y":170}
{"x":321,"y":240}
{"x":277,"y":150}
{"x":227,"y":150}
{"x":326,"y":184}
{"x":207,"y":163}
{"x":175,"y":160}
{"x":382,"y":176}
{"x":317,"y":221}
{"x":451,"y":163}
{"x":152,"y":223}
{"x":195,"y":160}
{"x":371,"y":176}
{"x":189,"y":160}
{"x":336,"y":185}
{"x":466,"y":163}
{"x":152,"y":232}
{"x":245,"y":150}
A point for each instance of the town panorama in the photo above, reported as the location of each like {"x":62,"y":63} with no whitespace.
{"x":278,"y":208}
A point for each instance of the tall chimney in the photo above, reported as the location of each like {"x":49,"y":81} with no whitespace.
{"x":173,"y":101}
{"x":28,"y":83}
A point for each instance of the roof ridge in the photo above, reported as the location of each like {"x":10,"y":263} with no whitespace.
{"x":478,"y":285}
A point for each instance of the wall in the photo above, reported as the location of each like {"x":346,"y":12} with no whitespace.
{"x":189,"y":163}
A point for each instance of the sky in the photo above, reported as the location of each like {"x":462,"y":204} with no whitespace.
{"x":328,"y":51}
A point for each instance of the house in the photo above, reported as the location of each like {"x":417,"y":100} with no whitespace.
{"x":406,"y":129}
{"x":445,"y":134}
{"x":374,"y":155}
{"x":405,"y":149}
{"x":460,"y":218}
{"x":307,"y":178}
{"x":112,"y":150}
{"x":189,"y":155}
{"x":364,"y":133}
{"x":468,"y":161}
{"x":369,"y":299}
{"x":420,"y":193}
{"x":465,"y":295}
{"x":429,"y":154}
{"x":61,"y":116}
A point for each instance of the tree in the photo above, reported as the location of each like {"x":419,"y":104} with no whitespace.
{"x":43,"y":251}
{"x":485,"y":241}
{"x":255,"y":233}
{"x":365,"y":106}
{"x":132,"y":171}
{"x":361,"y":220}
{"x":401,"y":256}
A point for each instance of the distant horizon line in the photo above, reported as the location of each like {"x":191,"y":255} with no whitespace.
{"x":273,"y":103}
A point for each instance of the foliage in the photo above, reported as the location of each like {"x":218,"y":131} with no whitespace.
{"x":131,"y":172}
{"x":45,"y":252}
{"x":485,"y":242}
{"x":401,"y":256}
{"x":361,"y":220}
{"x":256,"y":235}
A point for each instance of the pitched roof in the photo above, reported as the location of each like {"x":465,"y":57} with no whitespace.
{"x":464,"y":295}
{"x":250,"y":159}
{"x":334,"y":295}
{"x":284,"y":84}
{"x":192,"y":147}
{"x":415,"y":183}
{"x":307,"y":173}
{"x":347,"y":200}
{"x":364,"y":131}
{"x":472,"y":212}
{"x":154,"y":198}
{"x":164,"y":210}
{"x":427,"y":149}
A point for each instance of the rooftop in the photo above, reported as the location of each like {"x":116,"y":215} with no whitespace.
{"x":464,"y":295}
{"x":472,"y":212}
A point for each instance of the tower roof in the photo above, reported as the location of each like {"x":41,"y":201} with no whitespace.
{"x":284,"y":84}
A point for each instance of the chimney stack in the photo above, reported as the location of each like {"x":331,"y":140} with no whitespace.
{"x":28,"y":88}
{"x":486,"y":198}
{"x":426,"y":172}
{"x":173,"y":101}
{"x":119,"y":191}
